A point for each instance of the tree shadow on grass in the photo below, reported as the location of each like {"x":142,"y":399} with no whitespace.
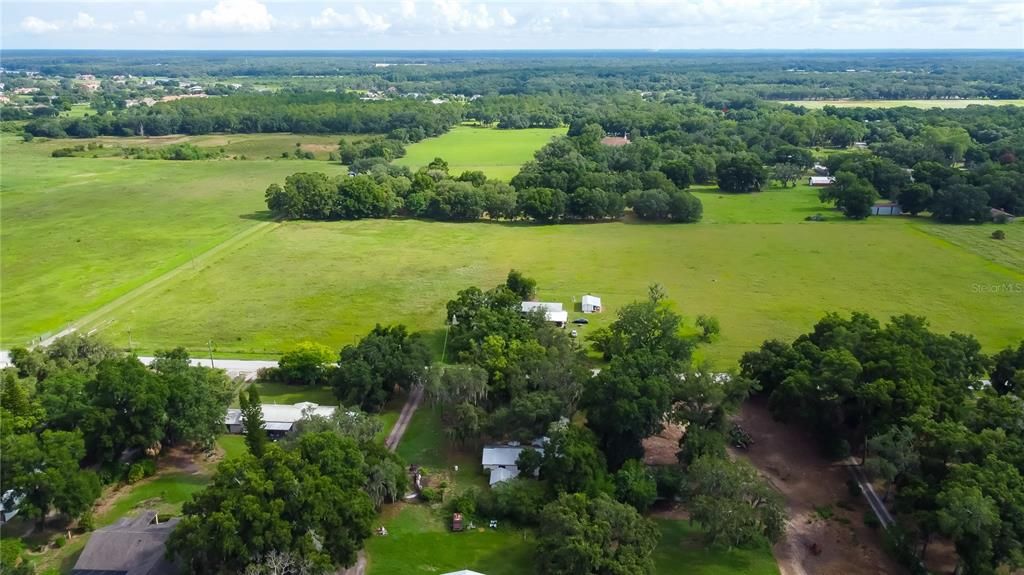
{"x":259,"y":216}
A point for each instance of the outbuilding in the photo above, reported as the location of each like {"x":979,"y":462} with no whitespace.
{"x":134,"y":546}
{"x":821,"y":180}
{"x":500,"y":460}
{"x":886,"y":209}
{"x":554,"y":312}
{"x":278,"y":420}
{"x":591,"y":304}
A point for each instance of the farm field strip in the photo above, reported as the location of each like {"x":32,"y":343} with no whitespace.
{"x":497,"y":153}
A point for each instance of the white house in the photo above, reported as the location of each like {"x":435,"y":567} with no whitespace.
{"x":500,"y":460}
{"x":821,"y":180}
{"x":591,"y":304}
{"x":553,"y":311}
{"x":278,"y":419}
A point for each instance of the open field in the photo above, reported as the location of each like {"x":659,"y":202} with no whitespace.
{"x":818,"y":104}
{"x":682,"y":544}
{"x":497,"y":153}
{"x":79,"y":232}
{"x":760,"y":279}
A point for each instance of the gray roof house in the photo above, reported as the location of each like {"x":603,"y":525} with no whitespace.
{"x":500,"y":460}
{"x":132,"y":546}
{"x":278,"y":419}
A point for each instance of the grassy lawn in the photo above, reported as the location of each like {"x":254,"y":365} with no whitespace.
{"x":233,"y":446}
{"x":497,"y":153}
{"x":817,"y":104}
{"x":284,"y":393}
{"x":1008,"y":252}
{"x":80,"y":232}
{"x":165,"y":493}
{"x":682,"y":544}
{"x":762,"y":272}
{"x":419,"y":542}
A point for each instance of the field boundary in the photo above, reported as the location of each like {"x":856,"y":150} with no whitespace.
{"x":92,"y":318}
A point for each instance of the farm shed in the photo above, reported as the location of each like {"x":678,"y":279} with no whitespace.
{"x":591,"y":304}
{"x":500,"y":460}
{"x":821,"y":181}
{"x":553,"y":311}
{"x":278,"y":419}
{"x":886,"y":209}
{"x":133,"y":546}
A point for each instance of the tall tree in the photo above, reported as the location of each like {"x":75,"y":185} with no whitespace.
{"x":579,"y":535}
{"x":252,"y":421}
{"x":733,"y":503}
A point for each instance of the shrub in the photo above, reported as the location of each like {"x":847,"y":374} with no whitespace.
{"x":135,"y":473}
{"x":464,"y":503}
{"x":60,"y":541}
{"x":87,"y":522}
{"x":999,"y":235}
{"x":429,"y":495}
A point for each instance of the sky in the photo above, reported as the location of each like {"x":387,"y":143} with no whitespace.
{"x":513,"y":24}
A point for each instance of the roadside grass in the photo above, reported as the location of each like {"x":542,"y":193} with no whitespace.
{"x":285,"y":394}
{"x":80,"y":232}
{"x":682,"y":549}
{"x":497,"y":153}
{"x":419,"y":542}
{"x":332,"y":281}
{"x":947,"y":104}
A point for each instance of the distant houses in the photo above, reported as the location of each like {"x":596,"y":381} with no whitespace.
{"x":278,"y":420}
{"x":500,"y":460}
{"x":553,"y":311}
{"x":133,"y":546}
{"x":821,"y":181}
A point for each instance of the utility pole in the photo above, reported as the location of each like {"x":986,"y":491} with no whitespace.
{"x":448,"y":328}
{"x":209,"y":345}
{"x":130,"y":346}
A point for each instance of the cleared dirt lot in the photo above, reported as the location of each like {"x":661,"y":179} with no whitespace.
{"x":819,"y":507}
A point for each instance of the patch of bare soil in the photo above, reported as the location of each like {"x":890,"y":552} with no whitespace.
{"x":661,"y":449}
{"x":825,"y":532}
{"x":320,"y":147}
{"x":669,"y":510}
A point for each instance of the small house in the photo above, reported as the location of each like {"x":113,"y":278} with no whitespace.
{"x":500,"y":460}
{"x":133,"y":546}
{"x":278,"y":420}
{"x":860,"y":145}
{"x":821,"y":180}
{"x":886,"y":209}
{"x":1001,"y":216}
{"x":591,"y":304}
{"x":553,"y":311}
{"x":820,"y":170}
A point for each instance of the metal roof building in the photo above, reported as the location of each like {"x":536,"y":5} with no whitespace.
{"x":278,"y":419}
{"x":133,"y":546}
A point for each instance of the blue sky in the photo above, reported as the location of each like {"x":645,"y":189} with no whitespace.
{"x":523,"y":24}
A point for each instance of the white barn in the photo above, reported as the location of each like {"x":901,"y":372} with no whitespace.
{"x":278,"y":419}
{"x":591,"y":304}
{"x":553,"y":311}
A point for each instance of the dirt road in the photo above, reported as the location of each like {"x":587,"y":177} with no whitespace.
{"x":415,"y":397}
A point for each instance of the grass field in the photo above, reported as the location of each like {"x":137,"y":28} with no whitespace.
{"x":497,"y":153}
{"x":681,"y":544}
{"x":771,"y":277}
{"x":79,"y":232}
{"x":817,"y":104}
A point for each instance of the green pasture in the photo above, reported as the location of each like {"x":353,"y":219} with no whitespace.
{"x":80,"y":232}
{"x":925,"y":104}
{"x":497,"y":153}
{"x":771,"y":277}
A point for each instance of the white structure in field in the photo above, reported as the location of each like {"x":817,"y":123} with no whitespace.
{"x":821,"y":180}
{"x":591,"y":304}
{"x":553,"y":312}
{"x":278,"y":419}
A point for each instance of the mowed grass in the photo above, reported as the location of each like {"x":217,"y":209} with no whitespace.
{"x":285,"y":394}
{"x":418,"y":541}
{"x":79,"y":232}
{"x":497,"y":153}
{"x":166,"y":493}
{"x":1008,"y":252}
{"x":682,"y":545}
{"x":818,"y":104}
{"x":331,"y":282}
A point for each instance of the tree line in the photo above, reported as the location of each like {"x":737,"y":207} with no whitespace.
{"x":929,"y":414}
{"x":81,"y":414}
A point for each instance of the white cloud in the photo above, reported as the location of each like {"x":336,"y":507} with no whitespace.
{"x":232,"y":16}
{"x":34,"y":25}
{"x":138,"y":18}
{"x":507,"y":18}
{"x":407,"y":9}
{"x":359,"y":19}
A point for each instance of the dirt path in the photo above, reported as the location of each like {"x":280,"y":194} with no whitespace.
{"x":415,"y":397}
{"x":820,"y":509}
{"x":93,"y":319}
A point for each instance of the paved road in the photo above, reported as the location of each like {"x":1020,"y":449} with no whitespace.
{"x":245,"y":368}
